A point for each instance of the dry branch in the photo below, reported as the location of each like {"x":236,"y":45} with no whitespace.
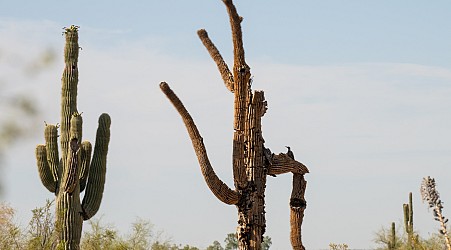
{"x":282,"y":164}
{"x":218,"y":187}
{"x":226,"y":75}
{"x":237,"y":36}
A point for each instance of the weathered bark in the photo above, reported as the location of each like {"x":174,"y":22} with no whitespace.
{"x":252,"y":162}
{"x":218,"y":187}
{"x":297,"y":207}
{"x":227,"y":76}
{"x":282,"y":164}
{"x":251,"y":211}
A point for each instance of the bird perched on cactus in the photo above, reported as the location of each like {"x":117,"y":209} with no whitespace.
{"x":290,"y":153}
{"x":252,"y":162}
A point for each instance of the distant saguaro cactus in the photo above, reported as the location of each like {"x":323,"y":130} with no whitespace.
{"x":252,"y":162}
{"x":408,"y":222}
{"x":69,"y":175}
{"x":392,"y":238}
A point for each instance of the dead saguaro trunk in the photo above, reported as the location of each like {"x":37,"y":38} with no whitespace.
{"x":70,"y":175}
{"x":252,"y":162}
{"x":297,"y":207}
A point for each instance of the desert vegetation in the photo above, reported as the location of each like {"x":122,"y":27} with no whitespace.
{"x":39,"y":233}
{"x":68,"y":166}
{"x":390,"y":238}
{"x":143,"y":235}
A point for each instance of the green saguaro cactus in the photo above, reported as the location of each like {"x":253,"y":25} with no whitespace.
{"x":392,"y":238}
{"x":75,"y":171}
{"x":408,"y":222}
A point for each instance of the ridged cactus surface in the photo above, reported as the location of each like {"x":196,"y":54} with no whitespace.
{"x":75,"y":171}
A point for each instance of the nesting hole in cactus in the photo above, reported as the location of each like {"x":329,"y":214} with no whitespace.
{"x":74,"y":144}
{"x":298,"y":203}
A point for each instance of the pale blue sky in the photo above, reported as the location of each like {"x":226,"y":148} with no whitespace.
{"x":289,"y":31}
{"x":359,"y":89}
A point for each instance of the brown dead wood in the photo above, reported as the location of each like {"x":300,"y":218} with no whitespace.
{"x":251,"y":161}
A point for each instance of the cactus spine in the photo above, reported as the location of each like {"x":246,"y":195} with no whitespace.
{"x":74,"y":172}
{"x":408,"y":222}
{"x":251,"y":161}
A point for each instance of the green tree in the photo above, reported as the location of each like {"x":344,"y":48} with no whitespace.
{"x":11,"y":236}
{"x":141,"y":235}
{"x":384,"y":238}
{"x":215,"y":246}
{"x":18,"y":107}
{"x":42,"y":234}
{"x":231,"y":242}
{"x":41,"y":228}
{"x":102,"y":237}
{"x":266,"y":243}
{"x":435,"y":241}
{"x":19,"y":113}
{"x":157,"y":245}
{"x":333,"y":246}
{"x":188,"y":247}
{"x":170,"y":246}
